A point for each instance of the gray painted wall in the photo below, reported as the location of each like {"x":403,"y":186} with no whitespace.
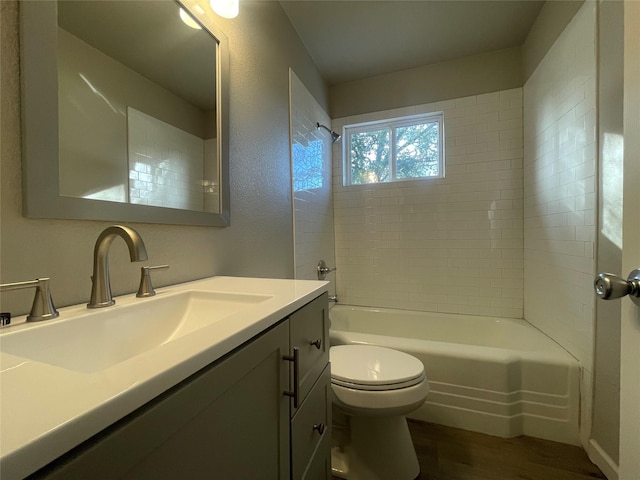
{"x":473,"y":75}
{"x":263,"y":45}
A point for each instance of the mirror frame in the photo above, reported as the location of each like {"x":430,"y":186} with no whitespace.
{"x":41,"y":177}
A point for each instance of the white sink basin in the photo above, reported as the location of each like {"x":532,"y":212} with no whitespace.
{"x":100,"y":339}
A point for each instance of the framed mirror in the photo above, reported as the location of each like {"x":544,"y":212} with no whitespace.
{"x":125,"y":113}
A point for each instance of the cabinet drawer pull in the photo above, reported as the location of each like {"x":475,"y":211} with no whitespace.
{"x":317,"y":343}
{"x":319,"y":427}
{"x":296,"y":376}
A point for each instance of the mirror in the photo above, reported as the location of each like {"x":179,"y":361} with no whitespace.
{"x":125,"y":113}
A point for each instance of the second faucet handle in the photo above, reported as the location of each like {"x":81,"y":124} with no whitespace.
{"x":146,"y":287}
{"x":323,"y":270}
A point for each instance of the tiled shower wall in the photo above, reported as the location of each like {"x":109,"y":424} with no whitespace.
{"x":312,"y":199}
{"x":560,"y":189}
{"x":453,"y":244}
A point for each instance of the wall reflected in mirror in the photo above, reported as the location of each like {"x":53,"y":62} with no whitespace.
{"x":137,"y":105}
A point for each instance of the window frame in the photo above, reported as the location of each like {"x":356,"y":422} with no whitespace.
{"x":392,"y":124}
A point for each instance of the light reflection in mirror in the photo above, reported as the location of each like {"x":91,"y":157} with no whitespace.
{"x":131,"y":131}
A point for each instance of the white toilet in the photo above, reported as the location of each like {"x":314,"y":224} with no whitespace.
{"x":374,"y":388}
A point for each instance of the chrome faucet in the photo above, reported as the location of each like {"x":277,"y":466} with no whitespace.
{"x":101,"y":286}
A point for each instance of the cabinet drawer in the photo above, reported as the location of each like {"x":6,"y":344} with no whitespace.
{"x":311,"y":429}
{"x":309,"y":333}
{"x":319,"y":467}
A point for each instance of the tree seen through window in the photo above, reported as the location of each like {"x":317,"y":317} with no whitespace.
{"x":397,"y":150}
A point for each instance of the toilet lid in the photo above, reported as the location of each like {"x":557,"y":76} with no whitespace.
{"x":372,"y":367}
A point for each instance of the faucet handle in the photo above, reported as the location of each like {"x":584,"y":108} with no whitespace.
{"x":323,"y":270}
{"x":146,"y":287}
{"x":43,"y":307}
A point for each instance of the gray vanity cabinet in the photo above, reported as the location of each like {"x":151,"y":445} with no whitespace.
{"x":228,"y":421}
{"x":311,"y":417}
{"x":231,"y":420}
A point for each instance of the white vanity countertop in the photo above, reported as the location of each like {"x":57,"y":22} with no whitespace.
{"x":45,"y":410}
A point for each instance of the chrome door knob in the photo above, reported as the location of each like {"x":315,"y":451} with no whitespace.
{"x":610,"y":287}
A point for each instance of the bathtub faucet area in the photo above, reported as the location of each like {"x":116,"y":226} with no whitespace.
{"x":323,"y":270}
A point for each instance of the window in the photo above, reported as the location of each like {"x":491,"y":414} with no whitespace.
{"x":394,"y":150}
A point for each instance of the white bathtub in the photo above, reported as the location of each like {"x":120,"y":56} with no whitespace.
{"x":499,"y":376}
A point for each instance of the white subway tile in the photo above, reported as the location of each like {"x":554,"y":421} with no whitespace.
{"x":468,"y":224}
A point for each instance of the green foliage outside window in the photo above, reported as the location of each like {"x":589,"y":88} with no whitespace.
{"x":398,"y":150}
{"x":370,"y":157}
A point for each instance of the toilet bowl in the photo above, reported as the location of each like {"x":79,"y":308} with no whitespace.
{"x":374,"y":388}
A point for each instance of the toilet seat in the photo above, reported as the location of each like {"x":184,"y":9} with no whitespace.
{"x":373,"y":368}
{"x":381,"y":387}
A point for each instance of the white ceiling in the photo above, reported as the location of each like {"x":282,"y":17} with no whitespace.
{"x":351,"y":40}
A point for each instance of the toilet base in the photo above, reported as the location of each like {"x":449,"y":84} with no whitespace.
{"x":379,"y":448}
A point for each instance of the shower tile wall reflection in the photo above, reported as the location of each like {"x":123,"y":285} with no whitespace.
{"x":165,"y":164}
{"x":453,"y":244}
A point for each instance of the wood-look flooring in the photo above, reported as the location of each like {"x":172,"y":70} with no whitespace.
{"x":447,"y":453}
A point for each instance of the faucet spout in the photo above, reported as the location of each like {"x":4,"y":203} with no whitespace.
{"x":101,"y":285}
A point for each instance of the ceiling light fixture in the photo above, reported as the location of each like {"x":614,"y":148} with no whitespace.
{"x":188,"y":20}
{"x":226,"y":8}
